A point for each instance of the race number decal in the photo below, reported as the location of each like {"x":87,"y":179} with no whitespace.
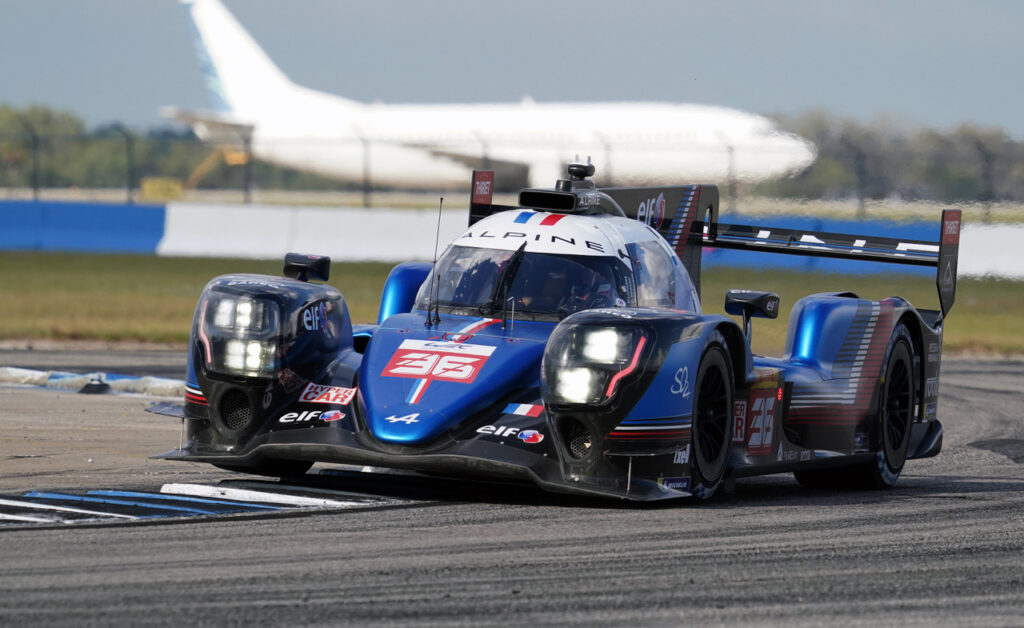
{"x":764,"y":401}
{"x":438,"y":361}
{"x":762,"y":425}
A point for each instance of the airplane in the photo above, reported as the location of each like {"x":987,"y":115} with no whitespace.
{"x":431,"y":146}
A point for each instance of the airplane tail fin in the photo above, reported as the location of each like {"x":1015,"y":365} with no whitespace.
{"x":237,"y":72}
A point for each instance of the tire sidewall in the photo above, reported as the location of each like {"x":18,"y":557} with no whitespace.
{"x":707,"y":474}
{"x":900,"y":347}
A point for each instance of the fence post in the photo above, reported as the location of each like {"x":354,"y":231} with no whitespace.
{"x":129,"y":153}
{"x":987,"y":185}
{"x":366,"y":171}
{"x":34,"y":139}
{"x":247,"y":168}
{"x":860,"y":168}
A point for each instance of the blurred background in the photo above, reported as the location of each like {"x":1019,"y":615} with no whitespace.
{"x":909,"y":108}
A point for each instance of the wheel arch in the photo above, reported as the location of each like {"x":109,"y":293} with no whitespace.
{"x":738,"y":351}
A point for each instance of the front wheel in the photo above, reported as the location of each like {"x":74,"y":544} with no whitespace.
{"x":712,"y":418}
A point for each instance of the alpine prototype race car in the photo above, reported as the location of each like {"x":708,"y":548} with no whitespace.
{"x":561,"y":341}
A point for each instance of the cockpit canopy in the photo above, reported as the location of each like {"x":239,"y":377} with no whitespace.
{"x":476,"y":280}
{"x":539,"y":286}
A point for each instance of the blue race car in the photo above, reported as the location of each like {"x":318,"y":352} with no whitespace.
{"x":561,"y":341}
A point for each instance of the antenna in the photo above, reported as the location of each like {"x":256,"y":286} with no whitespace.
{"x":432,"y":305}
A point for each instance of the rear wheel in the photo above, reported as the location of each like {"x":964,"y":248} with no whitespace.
{"x":712,"y":416}
{"x":895,"y":418}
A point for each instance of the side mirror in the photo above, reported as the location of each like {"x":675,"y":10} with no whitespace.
{"x":749,"y":303}
{"x":306,"y":267}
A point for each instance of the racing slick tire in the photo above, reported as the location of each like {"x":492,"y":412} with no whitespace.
{"x":273,"y":468}
{"x":712,"y":417}
{"x":895,"y":418}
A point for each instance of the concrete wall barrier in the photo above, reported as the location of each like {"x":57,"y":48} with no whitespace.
{"x":393,"y":235}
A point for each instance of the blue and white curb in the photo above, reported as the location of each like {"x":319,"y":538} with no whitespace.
{"x":149,"y":386}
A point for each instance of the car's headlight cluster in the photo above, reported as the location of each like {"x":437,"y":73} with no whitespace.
{"x":239,"y":334}
{"x":585,"y":364}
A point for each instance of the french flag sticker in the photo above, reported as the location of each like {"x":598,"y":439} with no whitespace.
{"x":524,"y":409}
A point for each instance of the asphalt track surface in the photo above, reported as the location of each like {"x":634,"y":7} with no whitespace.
{"x":945,"y":547}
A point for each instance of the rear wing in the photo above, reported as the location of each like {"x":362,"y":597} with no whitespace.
{"x":940,"y":254}
{"x":687,"y":217}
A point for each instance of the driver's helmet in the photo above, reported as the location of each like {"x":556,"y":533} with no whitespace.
{"x":561,"y":285}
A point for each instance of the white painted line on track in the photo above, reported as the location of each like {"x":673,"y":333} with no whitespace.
{"x":6,"y":517}
{"x":38,"y":506}
{"x":199,"y":490}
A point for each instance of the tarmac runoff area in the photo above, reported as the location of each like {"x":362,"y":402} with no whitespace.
{"x":943,"y":547}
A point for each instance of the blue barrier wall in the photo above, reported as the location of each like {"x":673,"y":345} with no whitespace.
{"x":746,"y":259}
{"x":86,"y":227}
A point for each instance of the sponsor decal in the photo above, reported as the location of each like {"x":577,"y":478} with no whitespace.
{"x":930,"y":411}
{"x":316,"y":393}
{"x":483,"y":187}
{"x":438,"y":361}
{"x":407,"y":419}
{"x":931,"y":387}
{"x":498,"y":430}
{"x":933,"y":352}
{"x":681,"y":386}
{"x":314,"y":316}
{"x":805,"y":454}
{"x":951,"y":229}
{"x":652,"y":211}
{"x":786,"y":455}
{"x":674,"y":484}
{"x":332,"y":415}
{"x":537,"y":237}
{"x":254,"y":282}
{"x":682,"y":456}
{"x":524,"y":409}
{"x":859,"y":439}
{"x":531,"y":437}
{"x":739,"y":423}
{"x":299,"y":417}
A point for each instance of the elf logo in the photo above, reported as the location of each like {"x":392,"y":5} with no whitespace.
{"x":530,"y":437}
{"x":313,"y":317}
{"x":299,"y":417}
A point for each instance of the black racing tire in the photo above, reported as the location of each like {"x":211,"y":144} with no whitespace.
{"x":276,"y":468}
{"x":712,"y":421}
{"x":895,"y":415}
{"x":895,"y":419}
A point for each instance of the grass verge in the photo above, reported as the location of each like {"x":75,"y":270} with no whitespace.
{"x":151,"y":299}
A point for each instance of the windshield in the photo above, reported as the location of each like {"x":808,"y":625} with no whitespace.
{"x":539,"y":284}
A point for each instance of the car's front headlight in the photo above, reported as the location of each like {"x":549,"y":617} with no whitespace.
{"x":240,"y":334}
{"x":585,"y":364}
